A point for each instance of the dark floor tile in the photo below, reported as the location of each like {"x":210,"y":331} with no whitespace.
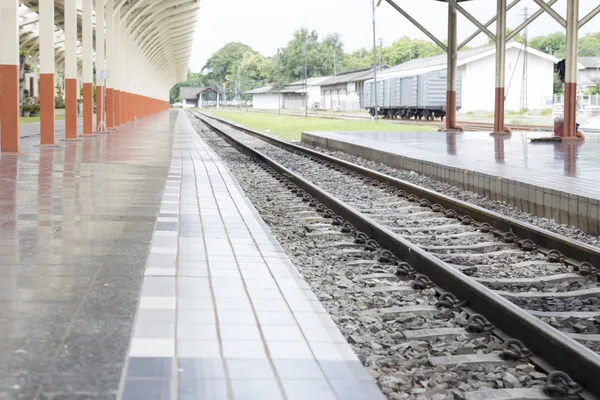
{"x":150,"y":367}
{"x":147,"y":389}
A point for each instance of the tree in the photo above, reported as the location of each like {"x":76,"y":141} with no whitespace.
{"x":406,"y":49}
{"x":553,"y":43}
{"x":519,"y":38}
{"x":589,"y":45}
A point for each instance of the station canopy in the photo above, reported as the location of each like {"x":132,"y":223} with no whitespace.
{"x":163,"y":30}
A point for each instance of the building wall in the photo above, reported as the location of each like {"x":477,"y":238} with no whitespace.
{"x":588,"y":77}
{"x":342,"y":97}
{"x":265,"y":101}
{"x":479,"y":82}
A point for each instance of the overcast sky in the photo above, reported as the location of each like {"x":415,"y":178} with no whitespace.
{"x":266,"y":25}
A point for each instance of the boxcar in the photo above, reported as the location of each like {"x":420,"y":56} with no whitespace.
{"x":405,"y":96}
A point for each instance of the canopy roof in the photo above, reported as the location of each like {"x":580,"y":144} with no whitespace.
{"x":163,"y":30}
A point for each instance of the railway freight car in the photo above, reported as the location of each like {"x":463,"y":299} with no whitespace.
{"x":404,"y":95}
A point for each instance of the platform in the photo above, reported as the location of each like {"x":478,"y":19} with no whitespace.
{"x":552,"y":180}
{"x":133,"y":267}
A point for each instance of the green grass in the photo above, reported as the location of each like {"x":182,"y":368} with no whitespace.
{"x":291,"y":128}
{"x":31,"y":120}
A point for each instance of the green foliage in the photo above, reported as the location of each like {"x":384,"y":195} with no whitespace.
{"x":594,"y":89}
{"x":546,"y":111}
{"x":319,"y":55}
{"x":553,"y":43}
{"x":405,"y":49}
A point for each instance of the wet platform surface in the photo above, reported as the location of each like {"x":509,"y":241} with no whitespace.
{"x":133,"y":267}
{"x":566,"y":167}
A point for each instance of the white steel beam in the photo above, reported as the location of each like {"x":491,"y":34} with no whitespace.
{"x":473,"y":20}
{"x":418,"y":25}
{"x":548,"y":8}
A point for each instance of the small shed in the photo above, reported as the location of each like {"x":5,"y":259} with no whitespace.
{"x":294,"y":93}
{"x":191,"y":96}
{"x":265,"y":98}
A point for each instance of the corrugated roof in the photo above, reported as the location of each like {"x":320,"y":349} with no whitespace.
{"x":310,"y":81}
{"x":349,"y":76}
{"x":192,"y":92}
{"x":261,"y":90}
{"x":589,"y":62}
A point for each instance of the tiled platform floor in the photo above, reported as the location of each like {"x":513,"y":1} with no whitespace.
{"x":223,"y":312}
{"x":571,"y":168}
{"x":88,"y":227}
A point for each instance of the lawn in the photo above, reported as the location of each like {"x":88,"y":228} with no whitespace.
{"x":31,"y":120}
{"x":291,"y":128}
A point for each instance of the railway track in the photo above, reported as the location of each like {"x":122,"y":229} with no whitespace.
{"x":482,"y":257}
{"x":470,"y":126}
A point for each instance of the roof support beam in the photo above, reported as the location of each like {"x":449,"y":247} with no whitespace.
{"x":528,"y":21}
{"x":487,"y":24}
{"x":548,"y":8}
{"x":473,"y":20}
{"x":418,"y":25}
{"x":588,"y":17}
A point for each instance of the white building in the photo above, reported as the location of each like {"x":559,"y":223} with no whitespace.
{"x":343,"y":92}
{"x":478,"y":70}
{"x":292,"y":95}
{"x":265,"y":98}
{"x":589,"y":72}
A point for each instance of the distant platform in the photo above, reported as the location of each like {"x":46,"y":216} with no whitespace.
{"x":553,"y":180}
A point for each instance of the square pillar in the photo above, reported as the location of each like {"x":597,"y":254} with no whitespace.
{"x":570,"y":130}
{"x":9,"y":76}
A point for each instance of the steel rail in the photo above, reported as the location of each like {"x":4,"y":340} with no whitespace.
{"x":551,"y":345}
{"x":573,"y":249}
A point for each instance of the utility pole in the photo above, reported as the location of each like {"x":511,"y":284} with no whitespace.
{"x":278,"y":82}
{"x":380,"y":53}
{"x":305,"y":78}
{"x":375,"y":63}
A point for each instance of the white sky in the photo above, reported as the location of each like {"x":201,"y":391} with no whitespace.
{"x":266,"y":25}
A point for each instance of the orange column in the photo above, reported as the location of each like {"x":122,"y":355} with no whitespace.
{"x":47,"y":109}
{"x":110,"y":108}
{"x":71,"y":108}
{"x":117,"y":108}
{"x":9,"y":108}
{"x":88,"y":106}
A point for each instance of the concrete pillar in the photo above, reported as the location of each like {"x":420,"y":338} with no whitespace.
{"x":47,"y":72}
{"x":452,"y":70}
{"x":570,"y":131}
{"x":70,"y":13}
{"x":87,"y":72}
{"x":100,"y":64}
{"x":499,"y":128}
{"x":110,"y":63}
{"x":9,"y":76}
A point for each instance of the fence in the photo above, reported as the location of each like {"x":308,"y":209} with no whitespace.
{"x":582,"y":100}
{"x":227,"y":103}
